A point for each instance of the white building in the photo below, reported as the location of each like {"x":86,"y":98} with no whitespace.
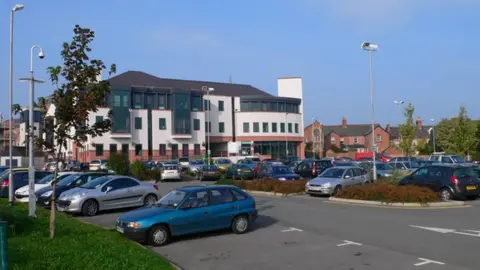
{"x":158,"y":119}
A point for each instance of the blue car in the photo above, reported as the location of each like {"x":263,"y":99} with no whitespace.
{"x":250,"y":163}
{"x":279,"y":172}
{"x":189,"y":210}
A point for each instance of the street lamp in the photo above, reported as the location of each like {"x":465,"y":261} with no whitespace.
{"x":16,"y":8}
{"x":369,"y":47}
{"x":208,"y":90}
{"x":433,"y":135}
{"x":31,"y":129}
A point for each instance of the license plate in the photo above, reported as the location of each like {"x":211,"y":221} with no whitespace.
{"x":314,"y":188}
{"x":245,"y":171}
{"x":471,"y":187}
{"x":119,"y":229}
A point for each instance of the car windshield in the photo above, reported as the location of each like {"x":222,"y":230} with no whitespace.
{"x":172,"y":199}
{"x":333,"y":173}
{"x":197,"y":162}
{"x":210,"y":168}
{"x":245,"y":161}
{"x":183,"y":160}
{"x":224,"y":161}
{"x":384,"y":167}
{"x":458,"y":159}
{"x":170,"y":167}
{"x":47,"y":179}
{"x":96,"y":183}
{"x":464,"y":172}
{"x":255,"y":159}
{"x":411,"y":165}
{"x":282,"y":170}
{"x":68,"y":180}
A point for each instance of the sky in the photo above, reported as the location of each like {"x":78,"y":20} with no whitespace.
{"x":428,"y":49}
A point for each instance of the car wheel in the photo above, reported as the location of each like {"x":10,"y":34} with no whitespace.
{"x":337,"y":190}
{"x":159,"y":235}
{"x":240,"y":224}
{"x":446,"y":194}
{"x":150,"y":199}
{"x":90,"y":208}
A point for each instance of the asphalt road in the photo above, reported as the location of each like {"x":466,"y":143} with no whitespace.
{"x":311,"y":233}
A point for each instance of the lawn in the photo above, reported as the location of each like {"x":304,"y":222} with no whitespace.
{"x":76,"y":246}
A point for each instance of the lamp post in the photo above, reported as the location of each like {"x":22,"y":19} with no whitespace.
{"x":433,"y":135}
{"x":208,"y":90}
{"x":31,"y":132}
{"x":369,"y":47}
{"x":16,"y":8}
{"x":286,"y":135}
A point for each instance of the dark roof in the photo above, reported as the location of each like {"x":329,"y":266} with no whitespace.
{"x":138,"y":78}
{"x":349,"y":130}
{"x":420,"y":133}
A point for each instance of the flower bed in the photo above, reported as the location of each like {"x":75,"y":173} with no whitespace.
{"x":268,"y":185}
{"x":389,"y":193}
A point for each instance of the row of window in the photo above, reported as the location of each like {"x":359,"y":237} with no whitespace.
{"x":266,"y":127}
{"x":99,"y":150}
{"x":355,"y":139}
{"x":265,"y":106}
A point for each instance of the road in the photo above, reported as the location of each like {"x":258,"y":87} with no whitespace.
{"x":311,"y":233}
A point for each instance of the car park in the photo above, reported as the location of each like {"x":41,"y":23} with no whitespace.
{"x":20,"y":179}
{"x":171,"y":172}
{"x":332,"y":180}
{"x":278,"y":172}
{"x":444,"y":158}
{"x":240,"y":171}
{"x":189,"y":210}
{"x":22,"y":195}
{"x":209,"y":172}
{"x":311,"y":168}
{"x":107,"y":192}
{"x":194,"y":165}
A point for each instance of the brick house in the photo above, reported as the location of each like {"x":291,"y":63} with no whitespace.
{"x":314,"y":138}
{"x":422,"y":134}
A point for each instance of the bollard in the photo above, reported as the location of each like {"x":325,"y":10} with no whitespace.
{"x":3,"y":245}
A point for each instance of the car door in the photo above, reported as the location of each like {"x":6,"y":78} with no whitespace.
{"x":135,"y":192}
{"x":20,"y":179}
{"x":360,"y":175}
{"x":116,"y":197}
{"x":348,"y":178}
{"x":223,"y":208}
{"x":419,"y":177}
{"x":433,"y":178}
{"x":305,"y":169}
{"x":194,"y":214}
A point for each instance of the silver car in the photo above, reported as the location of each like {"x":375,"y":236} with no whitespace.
{"x":332,"y":180}
{"x":195,"y":165}
{"x":107,"y":192}
{"x":171,"y":172}
{"x":383,"y":169}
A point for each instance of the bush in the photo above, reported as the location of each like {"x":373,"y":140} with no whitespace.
{"x":119,"y":163}
{"x":268,"y":185}
{"x":225,"y":181}
{"x":156,"y":174}
{"x":389,"y":193}
{"x":140,"y":170}
{"x":396,"y":176}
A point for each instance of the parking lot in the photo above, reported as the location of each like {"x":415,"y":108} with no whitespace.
{"x":311,"y":233}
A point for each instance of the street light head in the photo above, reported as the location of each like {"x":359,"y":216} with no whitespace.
{"x":432,"y":119}
{"x":17,"y":7}
{"x":367,"y":46}
{"x":398,"y":102}
{"x":207,"y":89}
{"x":41,"y":55}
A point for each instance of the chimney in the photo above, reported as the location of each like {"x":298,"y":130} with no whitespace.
{"x":419,"y":122}
{"x":344,"y":122}
{"x":388,"y":128}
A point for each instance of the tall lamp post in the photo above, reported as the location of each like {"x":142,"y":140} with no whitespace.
{"x":16,"y":8}
{"x":433,"y":135}
{"x":31,"y":132}
{"x":208,"y":90}
{"x":369,"y":47}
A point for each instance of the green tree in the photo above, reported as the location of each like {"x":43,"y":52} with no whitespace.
{"x":443,"y":135}
{"x":76,"y":95}
{"x":463,"y":134}
{"x":424,"y":147}
{"x":407,"y":132}
{"x":119,"y":163}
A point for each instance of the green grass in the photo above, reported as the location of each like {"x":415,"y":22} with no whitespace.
{"x":76,"y":246}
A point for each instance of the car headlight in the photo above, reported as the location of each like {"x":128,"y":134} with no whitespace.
{"x":133,"y":225}
{"x":46,"y":194}
{"x":282,"y":179}
{"x":326,"y":185}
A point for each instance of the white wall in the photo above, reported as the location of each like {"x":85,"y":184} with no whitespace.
{"x":293,"y":88}
{"x":268,"y":117}
{"x":217,"y":116}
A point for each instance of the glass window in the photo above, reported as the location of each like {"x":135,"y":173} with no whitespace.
{"x":355,"y":140}
{"x":290,"y":128}
{"x":138,"y":123}
{"x":289,"y":107}
{"x":458,"y":159}
{"x":99,"y":149}
{"x":256,"y":127}
{"x":421,"y":172}
{"x":281,"y":107}
{"x":137,"y":99}
{"x":162,"y":149}
{"x":162,"y":123}
{"x":196,"y":149}
{"x":332,"y":173}
{"x":255,"y":106}
{"x":181,"y":114}
{"x":244,"y":106}
{"x":125,"y":148}
{"x":113,"y":148}
{"x":162,"y":102}
{"x":446,"y":160}
{"x":185,"y":150}
{"x":273,"y":106}
{"x":221,"y":127}
{"x":197,"y":199}
{"x":220,"y":196}
{"x":98,"y":119}
{"x":196,"y":103}
{"x":138,"y":150}
{"x":274,"y":127}
{"x":206,"y":105}
{"x":196,"y":124}
{"x":296,"y":128}
{"x":265,"y":127}
{"x":220,"y":106}
{"x":282,"y":127}
{"x":117,"y":101}
{"x":265,"y":106}
{"x":173,"y":198}
{"x":208,"y":127}
{"x":246,"y":127}
{"x":379,"y":138}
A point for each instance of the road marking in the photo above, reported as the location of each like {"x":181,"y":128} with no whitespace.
{"x":292,"y":229}
{"x":346,"y":242}
{"x":472,"y":233}
{"x":427,"y":261}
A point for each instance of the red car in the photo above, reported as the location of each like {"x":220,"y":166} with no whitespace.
{"x":369,"y":155}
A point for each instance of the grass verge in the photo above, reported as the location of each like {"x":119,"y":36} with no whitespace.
{"x":268,"y":185}
{"x":76,"y":246}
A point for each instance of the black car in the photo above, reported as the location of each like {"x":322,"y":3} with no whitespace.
{"x":450,"y":181}
{"x":311,"y":168}
{"x":44,"y":195}
{"x":20,"y":179}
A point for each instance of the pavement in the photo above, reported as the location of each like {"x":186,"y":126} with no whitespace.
{"x":303,"y":232}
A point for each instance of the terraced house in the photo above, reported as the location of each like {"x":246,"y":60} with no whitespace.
{"x":157,"y":119}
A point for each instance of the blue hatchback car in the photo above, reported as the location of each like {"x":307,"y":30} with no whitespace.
{"x":190,"y":209}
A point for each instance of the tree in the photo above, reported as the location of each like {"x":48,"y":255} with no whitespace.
{"x":443,"y":135}
{"x":407,"y":132}
{"x":76,"y":96}
{"x":463,"y":134}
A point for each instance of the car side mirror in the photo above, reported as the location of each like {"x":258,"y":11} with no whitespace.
{"x":347,"y":176}
{"x":109,"y":188}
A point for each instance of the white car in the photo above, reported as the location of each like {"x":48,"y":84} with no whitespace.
{"x":21,"y":194}
{"x":171,"y":172}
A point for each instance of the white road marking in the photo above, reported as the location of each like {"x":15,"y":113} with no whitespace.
{"x":292,"y":229}
{"x":346,"y":242}
{"x":472,"y":233}
{"x":427,"y":261}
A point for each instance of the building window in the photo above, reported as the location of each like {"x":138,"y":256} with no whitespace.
{"x":162,"y":149}
{"x":99,"y":150}
{"x":355,"y":140}
{"x":220,"y":106}
{"x":290,"y":128}
{"x":244,"y":106}
{"x":265,"y":127}
{"x":117,"y":101}
{"x":196,"y":149}
{"x":162,"y":102}
{"x":332,"y":140}
{"x":162,"y":123}
{"x":208,"y":127}
{"x":138,"y":150}
{"x":138,"y":123}
{"x":185,"y":150}
{"x":98,"y":119}
{"x":137,"y":99}
{"x":196,"y":124}
{"x":256,"y":127}
{"x":125,"y":148}
{"x":246,"y":127}
{"x":221,"y":127}
{"x":296,"y":128}
{"x":274,"y":127}
{"x":206,"y":105}
{"x":282,"y":127}
{"x":113,"y":148}
{"x":196,"y":103}
{"x":379,"y":138}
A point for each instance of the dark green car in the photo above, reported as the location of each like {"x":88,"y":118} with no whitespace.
{"x":239,"y":171}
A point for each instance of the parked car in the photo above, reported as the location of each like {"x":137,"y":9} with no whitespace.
{"x":383,"y":169}
{"x":190,"y":210}
{"x":223,"y":164}
{"x":184,"y":163}
{"x":287,"y":159}
{"x":367,"y":156}
{"x":150,"y":165}
{"x":450,"y":181}
{"x":443,"y":158}
{"x":311,"y":168}
{"x":294,"y":164}
{"x":405,"y":166}
{"x":249,"y":162}
{"x":22,"y":195}
{"x":267,"y":162}
{"x":344,"y":159}
{"x":195,"y":165}
{"x":73,"y":166}
{"x":404,"y":159}
{"x":279,"y":172}
{"x":95,"y":164}
{"x":240,"y":171}
{"x":171,"y":172}
{"x":332,"y":180}
{"x":107,"y":192}
{"x":209,"y":172}
{"x":20,"y":179}
{"x":44,"y":195}
{"x":84,"y":166}
{"x":4,"y":168}
{"x":343,"y":163}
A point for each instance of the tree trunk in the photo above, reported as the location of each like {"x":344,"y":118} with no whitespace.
{"x":52,"y":199}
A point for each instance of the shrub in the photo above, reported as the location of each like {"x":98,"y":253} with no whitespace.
{"x":155,"y":174}
{"x":119,"y":163}
{"x":140,"y":170}
{"x":389,"y":193}
{"x":396,"y":176}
